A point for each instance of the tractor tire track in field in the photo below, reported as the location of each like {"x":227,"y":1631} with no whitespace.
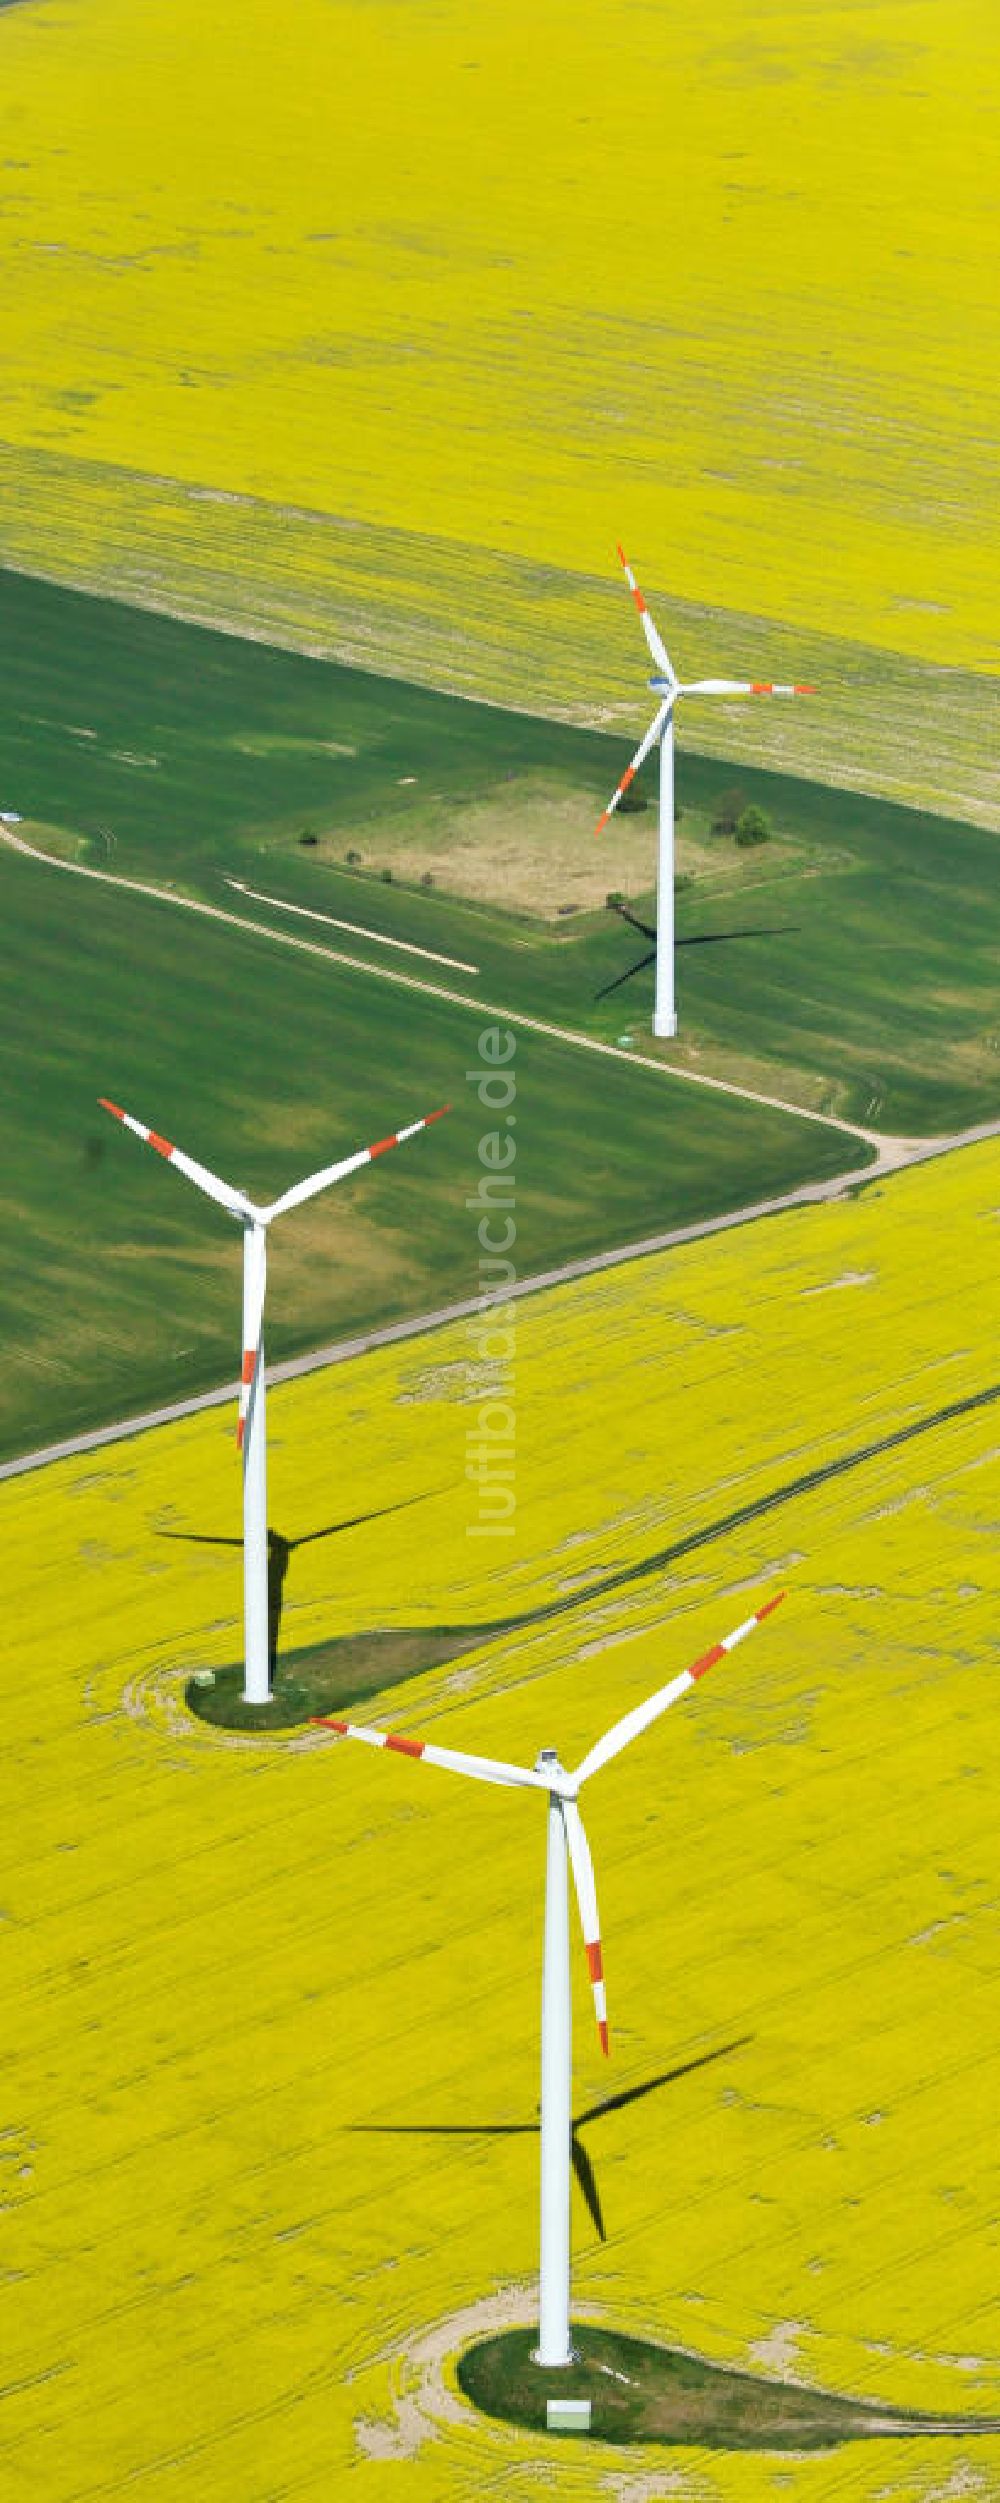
{"x":445,"y":1644}
{"x":604,"y":1585}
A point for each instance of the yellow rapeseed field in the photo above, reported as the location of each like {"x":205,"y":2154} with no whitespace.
{"x":499,"y":287}
{"x":224,"y":1957}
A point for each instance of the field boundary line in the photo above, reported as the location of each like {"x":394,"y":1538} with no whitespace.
{"x":881,"y":1142}
{"x":419,"y":1325}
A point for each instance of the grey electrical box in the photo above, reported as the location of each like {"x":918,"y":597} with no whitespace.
{"x":567,"y":2415}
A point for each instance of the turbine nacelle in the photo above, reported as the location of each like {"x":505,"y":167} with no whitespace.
{"x":561,"y":1784}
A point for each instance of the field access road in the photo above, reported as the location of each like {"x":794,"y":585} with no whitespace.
{"x":359,"y":929}
{"x":885,"y":1148}
{"x":904,"y":1152}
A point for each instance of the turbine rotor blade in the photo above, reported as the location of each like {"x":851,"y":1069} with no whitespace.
{"x":654,"y":640}
{"x":349,"y":1164}
{"x":480,"y":1768}
{"x":656,"y":727}
{"x":740,"y":686}
{"x":214,"y":1188}
{"x":586,"y":1895}
{"x":622,"y":1732}
{"x":254,"y":1279}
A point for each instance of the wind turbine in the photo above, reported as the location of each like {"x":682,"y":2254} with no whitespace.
{"x":566,"y":1841}
{"x":669,"y":688}
{"x":251,"y":1430}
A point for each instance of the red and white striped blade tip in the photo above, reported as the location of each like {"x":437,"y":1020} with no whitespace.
{"x":426,"y":1118}
{"x":648,"y":628}
{"x":595,"y":1968}
{"x":719,"y":1650}
{"x":409,"y":1131}
{"x":626,"y":781}
{"x":164,"y":1147}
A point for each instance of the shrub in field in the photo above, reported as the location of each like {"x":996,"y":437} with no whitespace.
{"x":752,"y":827}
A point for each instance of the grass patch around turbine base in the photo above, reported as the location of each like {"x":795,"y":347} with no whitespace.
{"x":644,"y":2393}
{"x":331,"y":1678}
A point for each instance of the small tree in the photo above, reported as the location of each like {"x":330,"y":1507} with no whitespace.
{"x":752,"y":827}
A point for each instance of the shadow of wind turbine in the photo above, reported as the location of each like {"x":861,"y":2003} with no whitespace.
{"x":280,"y":1551}
{"x":582,"y":2165}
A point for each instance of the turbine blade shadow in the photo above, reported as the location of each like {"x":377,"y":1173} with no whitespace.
{"x":607,"y":987}
{"x":355,"y":1521}
{"x":281,"y":1550}
{"x":667,"y":2077}
{"x":721,"y":938}
{"x":441,"y":2129}
{"x":702,"y":938}
{"x":582,"y":2166}
{"x":645,"y":928}
{"x":200,"y":1538}
{"x":584,"y":2171}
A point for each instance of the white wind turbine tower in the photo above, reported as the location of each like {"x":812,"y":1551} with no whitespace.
{"x":669,"y":688}
{"x":566,"y":1839}
{"x":251,"y":1431}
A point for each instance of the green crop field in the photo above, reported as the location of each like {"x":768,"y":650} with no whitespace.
{"x":120,"y":1285}
{"x":847,"y":965}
